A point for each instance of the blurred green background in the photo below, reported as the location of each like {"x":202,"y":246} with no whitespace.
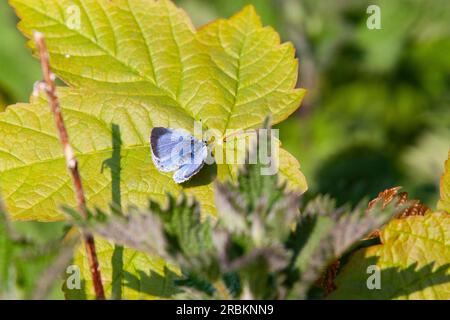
{"x":377,"y":109}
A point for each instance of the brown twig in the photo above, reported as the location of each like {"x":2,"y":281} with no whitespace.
{"x":72,"y":164}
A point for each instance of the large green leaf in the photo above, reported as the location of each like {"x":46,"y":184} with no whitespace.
{"x":33,"y":172}
{"x":132,"y":65}
{"x":413,"y":261}
{"x":444,"y":202}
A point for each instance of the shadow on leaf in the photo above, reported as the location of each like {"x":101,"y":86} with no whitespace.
{"x":114,"y":164}
{"x":206,"y":175}
{"x":153,"y":283}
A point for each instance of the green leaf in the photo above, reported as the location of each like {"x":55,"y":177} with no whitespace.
{"x":325,"y":234}
{"x":133,"y":65}
{"x":444,"y":202}
{"x":157,"y":231}
{"x":256,"y":71}
{"x":126,"y":274}
{"x":413,"y":260}
{"x":244,"y":247}
{"x":174,"y":233}
{"x":259,"y":206}
{"x":34,"y":177}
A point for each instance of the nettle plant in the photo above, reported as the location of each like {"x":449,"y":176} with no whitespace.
{"x":227,"y":233}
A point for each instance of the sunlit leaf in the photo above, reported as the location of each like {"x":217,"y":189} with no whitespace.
{"x":444,"y":202}
{"x":133,"y":65}
{"x":412,"y":261}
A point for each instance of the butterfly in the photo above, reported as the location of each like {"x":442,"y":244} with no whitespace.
{"x":179,"y":151}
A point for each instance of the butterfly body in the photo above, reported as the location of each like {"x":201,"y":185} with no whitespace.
{"x":177,"y":150}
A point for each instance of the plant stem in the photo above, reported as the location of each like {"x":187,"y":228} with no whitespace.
{"x":72,"y":164}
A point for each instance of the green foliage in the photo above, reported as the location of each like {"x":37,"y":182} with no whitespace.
{"x":259,"y":247}
{"x":133,"y":88}
{"x":127,"y":273}
{"x":29,"y":267}
{"x":376,"y":115}
{"x":18,"y":70}
{"x":414,"y":252}
{"x":6,"y":247}
{"x":412,"y":261}
{"x":373,"y":95}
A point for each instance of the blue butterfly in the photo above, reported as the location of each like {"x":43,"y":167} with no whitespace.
{"x":176,"y":149}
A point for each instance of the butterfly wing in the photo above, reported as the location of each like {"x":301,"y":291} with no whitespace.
{"x":175,"y":149}
{"x":186,"y":171}
{"x":197,"y":156}
{"x":165,"y":144}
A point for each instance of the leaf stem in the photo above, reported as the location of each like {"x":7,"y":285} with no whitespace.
{"x":72,"y":163}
